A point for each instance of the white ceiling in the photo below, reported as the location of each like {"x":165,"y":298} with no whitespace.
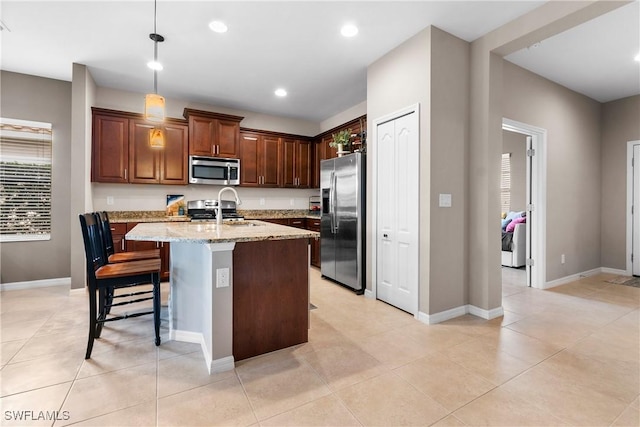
{"x":293,"y":44}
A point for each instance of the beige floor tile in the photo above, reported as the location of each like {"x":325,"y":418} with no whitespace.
{"x":142,"y":415}
{"x":132,"y":353}
{"x":435,"y":337}
{"x":278,"y":387}
{"x":389,"y":400}
{"x":34,"y":408}
{"x":487,"y":361}
{"x":446,"y":382}
{"x":523,"y":347}
{"x":561,"y":330}
{"x":392,"y":350}
{"x":326,"y":411}
{"x":20,"y":330}
{"x":170,"y":348}
{"x":629,"y":418}
{"x":449,"y":421}
{"x":37,"y":373}
{"x":341,"y":366}
{"x":221,"y":403}
{"x":564,"y":398}
{"x":186,"y":372}
{"x":501,"y":408}
{"x":102,"y":394}
{"x":9,"y":349}
{"x":49,"y":345}
{"x":470,"y":325}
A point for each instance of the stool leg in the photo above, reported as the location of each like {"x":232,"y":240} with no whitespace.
{"x":102,"y":309}
{"x":156,"y":305}
{"x":92,"y":322}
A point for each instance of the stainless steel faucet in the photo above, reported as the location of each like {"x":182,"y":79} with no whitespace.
{"x":219,"y":211}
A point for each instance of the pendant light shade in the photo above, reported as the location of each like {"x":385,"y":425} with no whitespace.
{"x":154,"y":108}
{"x":156,"y":138}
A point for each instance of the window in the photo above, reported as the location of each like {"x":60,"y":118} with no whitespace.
{"x":505,"y":183}
{"x":25,"y":180}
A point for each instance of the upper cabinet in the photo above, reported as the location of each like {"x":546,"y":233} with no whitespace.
{"x":213,"y":134}
{"x":260,"y":157}
{"x":296,"y":155}
{"x":121,"y":151}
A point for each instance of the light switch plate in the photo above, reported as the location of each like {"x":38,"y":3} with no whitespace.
{"x":445,"y":200}
{"x":109,"y":200}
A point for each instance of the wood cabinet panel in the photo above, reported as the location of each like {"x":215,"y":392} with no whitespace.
{"x":296,"y":163}
{"x":144,"y":161}
{"x":213,"y":134}
{"x":201,"y":136}
{"x":288,"y":162}
{"x":271,"y":164}
{"x":110,"y":149}
{"x":271,"y":302}
{"x":175,"y":155}
{"x":118,"y":231}
{"x":143,"y":245}
{"x":227,"y":138}
{"x":303,"y":164}
{"x":313,"y":224}
{"x":259,"y":157}
{"x":249,"y":161}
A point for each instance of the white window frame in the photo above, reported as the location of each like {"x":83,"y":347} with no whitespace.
{"x":39,"y":135}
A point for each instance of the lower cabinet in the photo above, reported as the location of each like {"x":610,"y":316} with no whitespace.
{"x":141,"y":245}
{"x":312,"y":224}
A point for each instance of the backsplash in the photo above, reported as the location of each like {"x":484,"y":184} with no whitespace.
{"x":145,"y":197}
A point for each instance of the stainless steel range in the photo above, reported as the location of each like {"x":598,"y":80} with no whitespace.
{"x":205,"y":210}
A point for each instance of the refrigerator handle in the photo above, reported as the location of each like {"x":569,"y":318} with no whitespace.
{"x":331,"y":205}
{"x":334,"y":184}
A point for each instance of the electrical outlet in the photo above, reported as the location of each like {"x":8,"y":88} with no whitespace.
{"x":292,"y":202}
{"x":109,"y":200}
{"x":222,"y":278}
{"x":261,"y":201}
{"x":562,"y":259}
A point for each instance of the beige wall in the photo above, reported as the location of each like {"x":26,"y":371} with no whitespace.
{"x":516,"y":144}
{"x":45,"y":100}
{"x":343,"y":117}
{"x":397,"y":80}
{"x":449,"y":133}
{"x":620,"y":124}
{"x":574,"y":174}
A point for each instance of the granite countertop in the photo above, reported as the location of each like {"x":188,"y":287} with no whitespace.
{"x":208,"y":232}
{"x":160,"y":216}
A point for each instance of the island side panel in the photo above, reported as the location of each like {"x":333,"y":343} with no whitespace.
{"x":270,"y":296}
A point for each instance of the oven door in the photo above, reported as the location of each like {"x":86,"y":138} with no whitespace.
{"x":213,"y":170}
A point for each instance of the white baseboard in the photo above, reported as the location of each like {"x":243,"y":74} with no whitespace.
{"x":431,"y":319}
{"x":45,"y":283}
{"x":186,"y":336}
{"x":615,"y":271}
{"x":571,"y":278}
{"x":222,"y":365}
{"x":368,"y":294}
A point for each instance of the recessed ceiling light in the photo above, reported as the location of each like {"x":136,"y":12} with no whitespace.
{"x":349,"y":30}
{"x":218,"y":26}
{"x":281,"y":92}
{"x":154,"y":65}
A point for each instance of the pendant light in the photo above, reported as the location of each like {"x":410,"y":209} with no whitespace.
{"x":154,"y":103}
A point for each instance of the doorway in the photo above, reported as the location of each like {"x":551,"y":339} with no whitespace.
{"x":535,"y":200}
{"x":633,"y":208}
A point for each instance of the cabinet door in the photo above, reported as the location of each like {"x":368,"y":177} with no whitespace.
{"x":227,"y":138}
{"x":303,"y":164}
{"x":298,"y":223}
{"x":110,"y":149}
{"x":271,"y":163}
{"x":329,"y":152}
{"x":318,"y":155}
{"x":175,"y":155}
{"x":118,"y":230}
{"x":144,"y":161}
{"x":164,"y":261}
{"x":249,"y":161}
{"x":138,"y":245}
{"x":288,"y":162}
{"x":201,"y":136}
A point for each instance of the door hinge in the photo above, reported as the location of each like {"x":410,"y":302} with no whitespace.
{"x":530,"y":207}
{"x":531,"y":152}
{"x":631,"y":257}
{"x":529,"y":262}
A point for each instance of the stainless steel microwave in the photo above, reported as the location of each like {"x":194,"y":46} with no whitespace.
{"x":214,"y":170}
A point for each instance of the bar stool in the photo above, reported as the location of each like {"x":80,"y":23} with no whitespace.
{"x":112,"y":256}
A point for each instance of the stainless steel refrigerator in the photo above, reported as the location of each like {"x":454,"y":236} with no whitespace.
{"x":342,"y":225}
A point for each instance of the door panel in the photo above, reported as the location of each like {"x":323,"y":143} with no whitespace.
{"x":346,"y":180}
{"x":636,"y":211}
{"x":327,"y":241}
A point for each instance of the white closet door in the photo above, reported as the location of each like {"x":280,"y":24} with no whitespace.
{"x":398,"y":212}
{"x":635,"y":222}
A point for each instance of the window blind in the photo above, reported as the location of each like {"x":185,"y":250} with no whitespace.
{"x":505,"y":183}
{"x":25,"y":180}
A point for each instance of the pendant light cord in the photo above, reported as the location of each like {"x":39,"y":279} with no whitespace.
{"x":155,"y":46}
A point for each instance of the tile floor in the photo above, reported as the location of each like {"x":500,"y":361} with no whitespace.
{"x":566,"y":356}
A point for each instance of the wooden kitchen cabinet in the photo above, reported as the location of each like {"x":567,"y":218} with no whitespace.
{"x":121,"y":152}
{"x":313,"y":224}
{"x":260,"y":160}
{"x":118,"y":230}
{"x":110,"y":147}
{"x":296,"y":160}
{"x":213,"y":134}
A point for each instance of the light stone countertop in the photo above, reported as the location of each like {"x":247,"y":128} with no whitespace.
{"x":160,"y":216}
{"x":208,"y":232}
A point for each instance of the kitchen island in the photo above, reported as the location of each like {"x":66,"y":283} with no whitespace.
{"x":239,"y":290}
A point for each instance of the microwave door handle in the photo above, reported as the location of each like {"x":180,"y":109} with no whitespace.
{"x":228,"y":173}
